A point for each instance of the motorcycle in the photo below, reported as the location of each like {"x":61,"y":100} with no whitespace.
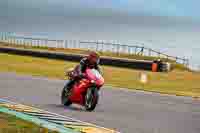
{"x":85,"y":92}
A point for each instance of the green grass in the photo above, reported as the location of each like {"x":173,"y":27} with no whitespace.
{"x":107,"y":54}
{"x":11,"y":124}
{"x":176,"y":82}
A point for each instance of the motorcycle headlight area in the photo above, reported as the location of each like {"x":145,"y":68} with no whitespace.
{"x":92,"y":81}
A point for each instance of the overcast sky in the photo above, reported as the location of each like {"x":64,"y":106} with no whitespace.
{"x":148,"y":13}
{"x":172,"y":24}
{"x":187,"y":8}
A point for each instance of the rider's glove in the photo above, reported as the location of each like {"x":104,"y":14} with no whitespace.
{"x":82,"y":75}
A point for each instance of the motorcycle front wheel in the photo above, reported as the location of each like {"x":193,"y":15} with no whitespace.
{"x":91,"y":99}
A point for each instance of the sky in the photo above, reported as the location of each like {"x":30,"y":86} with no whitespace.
{"x":171,"y":26}
{"x":148,"y":13}
{"x":185,"y":8}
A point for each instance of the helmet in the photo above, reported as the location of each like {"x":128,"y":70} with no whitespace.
{"x":93,"y":58}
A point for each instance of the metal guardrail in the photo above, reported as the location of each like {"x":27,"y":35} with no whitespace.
{"x":90,"y":45}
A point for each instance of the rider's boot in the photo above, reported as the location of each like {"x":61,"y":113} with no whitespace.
{"x":68,"y":85}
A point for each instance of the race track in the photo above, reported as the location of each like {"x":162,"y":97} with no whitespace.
{"x":121,"y":109}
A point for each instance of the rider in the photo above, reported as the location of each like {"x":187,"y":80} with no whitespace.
{"x":91,"y":61}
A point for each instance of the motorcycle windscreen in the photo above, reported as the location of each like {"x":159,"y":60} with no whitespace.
{"x":93,"y":74}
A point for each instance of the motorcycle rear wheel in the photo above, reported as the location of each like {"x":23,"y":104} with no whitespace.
{"x":64,"y":97}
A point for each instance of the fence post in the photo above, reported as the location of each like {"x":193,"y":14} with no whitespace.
{"x":102,"y":46}
{"x":26,"y":42}
{"x":38,"y":43}
{"x":1,"y":37}
{"x":167,"y":57}
{"x":117,"y":49}
{"x":159,"y":54}
{"x":97,"y":44}
{"x":8,"y":39}
{"x":79,"y":44}
{"x":31,"y":42}
{"x":185,"y":62}
{"x":113,"y":47}
{"x":136,"y":50}
{"x":142,"y":51}
{"x":176,"y":59}
{"x":149,"y":52}
{"x":66,"y":43}
{"x":74,"y":44}
{"x":23,"y":43}
{"x":5,"y":38}
{"x":12,"y":40}
{"x":129,"y":51}
{"x":188,"y":63}
{"x":63,"y":43}
{"x":15,"y":41}
{"x":45,"y":42}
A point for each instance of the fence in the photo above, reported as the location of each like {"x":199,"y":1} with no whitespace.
{"x":90,"y":45}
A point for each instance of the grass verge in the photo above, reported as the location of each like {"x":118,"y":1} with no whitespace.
{"x":11,"y":124}
{"x":176,"y":82}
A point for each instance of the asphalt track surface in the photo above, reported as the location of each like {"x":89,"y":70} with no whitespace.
{"x":121,"y":109}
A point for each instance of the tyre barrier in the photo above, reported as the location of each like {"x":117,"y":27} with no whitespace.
{"x":110,"y":61}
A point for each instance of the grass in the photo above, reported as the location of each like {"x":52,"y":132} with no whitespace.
{"x":107,"y":54}
{"x":11,"y":124}
{"x":176,"y":82}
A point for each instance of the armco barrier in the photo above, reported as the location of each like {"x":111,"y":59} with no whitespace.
{"x":118,"y":62}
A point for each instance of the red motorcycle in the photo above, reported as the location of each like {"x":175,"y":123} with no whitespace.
{"x":85,"y":92}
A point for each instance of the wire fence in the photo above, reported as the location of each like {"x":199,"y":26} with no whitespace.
{"x":90,"y":45}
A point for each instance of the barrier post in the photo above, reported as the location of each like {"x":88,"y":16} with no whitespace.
{"x":154,"y":66}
